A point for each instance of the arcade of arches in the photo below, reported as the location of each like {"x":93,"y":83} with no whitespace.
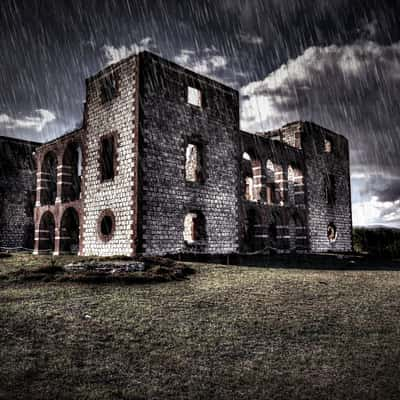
{"x":58,"y":198}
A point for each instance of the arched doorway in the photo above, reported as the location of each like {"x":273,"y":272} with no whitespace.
{"x":47,"y":233}
{"x":48,"y":179}
{"x":298,"y":233}
{"x":69,"y":232}
{"x":254,"y":237}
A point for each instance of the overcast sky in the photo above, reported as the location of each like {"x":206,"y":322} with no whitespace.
{"x":335,"y":62}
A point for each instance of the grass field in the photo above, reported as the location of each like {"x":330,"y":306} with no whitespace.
{"x":225,"y":333}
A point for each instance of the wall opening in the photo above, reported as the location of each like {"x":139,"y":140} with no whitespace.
{"x":194,"y":96}
{"x":106,"y":225}
{"x":270,"y":187}
{"x":194,"y":163}
{"x":327,"y":146}
{"x":108,"y":88}
{"x":71,"y":173}
{"x":48,"y":179}
{"x":295,"y":186}
{"x":69,"y":232}
{"x":194,"y":228}
{"x":107,"y":158}
{"x":252,"y":178}
{"x":254,"y":232}
{"x":332,"y":232}
{"x":330,"y":190}
{"x":47,"y":233}
{"x":297,"y":234}
{"x":272,"y":234}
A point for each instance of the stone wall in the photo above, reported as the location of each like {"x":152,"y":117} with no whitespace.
{"x":113,"y":197}
{"x":276,"y":218}
{"x":141,"y":206}
{"x":17,"y":192}
{"x":168,"y":124}
{"x":320,"y":166}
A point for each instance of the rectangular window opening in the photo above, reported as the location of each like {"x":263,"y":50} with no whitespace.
{"x":327,"y":146}
{"x":331,"y":190}
{"x":194,"y":230}
{"x":107,"y":158}
{"x":194,"y":96}
{"x":193,"y":163}
{"x":109,"y":88}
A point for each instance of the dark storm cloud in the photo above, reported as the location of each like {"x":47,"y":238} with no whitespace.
{"x":386,"y":189}
{"x":391,"y":193}
{"x":352,"y":89}
{"x":350,"y":84}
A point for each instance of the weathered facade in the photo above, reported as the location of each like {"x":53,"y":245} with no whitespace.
{"x":160,"y":166}
{"x":17,"y":193}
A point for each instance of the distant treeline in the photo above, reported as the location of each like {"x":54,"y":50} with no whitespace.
{"x":377,"y":241}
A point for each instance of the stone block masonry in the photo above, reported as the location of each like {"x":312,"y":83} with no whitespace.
{"x":169,"y":126}
{"x":160,"y":166}
{"x":112,"y":117}
{"x":17,"y":192}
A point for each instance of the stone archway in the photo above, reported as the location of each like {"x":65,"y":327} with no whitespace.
{"x":69,"y":232}
{"x":71,"y":172}
{"x":48,"y":179}
{"x":47,"y":228}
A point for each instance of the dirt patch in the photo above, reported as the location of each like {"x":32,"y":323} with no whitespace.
{"x":125,"y":270}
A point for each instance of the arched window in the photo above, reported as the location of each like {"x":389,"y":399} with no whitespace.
{"x":295,"y":185}
{"x":48,"y":179}
{"x":252,"y":175}
{"x":71,"y":173}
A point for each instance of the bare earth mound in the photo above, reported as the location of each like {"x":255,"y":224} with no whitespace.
{"x":105,"y":270}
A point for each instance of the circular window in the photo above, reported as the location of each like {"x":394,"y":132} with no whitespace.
{"x":106,"y":225}
{"x":332,"y":232}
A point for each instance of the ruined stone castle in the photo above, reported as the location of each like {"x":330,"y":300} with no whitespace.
{"x":160,"y":166}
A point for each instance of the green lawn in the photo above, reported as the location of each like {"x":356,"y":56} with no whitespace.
{"x":224,"y":333}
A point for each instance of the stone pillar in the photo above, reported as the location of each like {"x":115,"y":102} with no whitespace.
{"x":37,"y":234}
{"x":281,"y":185}
{"x":59,"y":179}
{"x":259,"y":179}
{"x":57,"y":240}
{"x":299,"y":197}
{"x":38,"y":183}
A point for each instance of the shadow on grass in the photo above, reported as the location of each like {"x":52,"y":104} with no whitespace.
{"x":326,"y":261}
